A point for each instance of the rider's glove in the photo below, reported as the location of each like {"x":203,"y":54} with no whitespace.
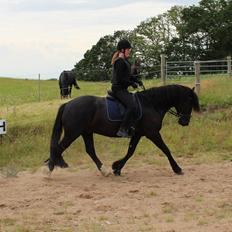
{"x":140,"y":83}
{"x":134,"y":85}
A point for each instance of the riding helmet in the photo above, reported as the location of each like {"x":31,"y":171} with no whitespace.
{"x":123,"y":44}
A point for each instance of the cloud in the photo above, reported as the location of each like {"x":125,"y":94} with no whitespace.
{"x":65,"y":5}
{"x":77,"y":5}
{"x":44,"y":5}
{"x":47,"y":36}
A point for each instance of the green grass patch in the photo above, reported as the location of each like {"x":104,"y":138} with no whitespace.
{"x":207,"y":138}
{"x":15,"y":92}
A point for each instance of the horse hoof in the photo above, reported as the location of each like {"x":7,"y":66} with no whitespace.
{"x":117,"y":172}
{"x":179,"y":172}
{"x":51,"y":165}
{"x":64,"y":165}
{"x":116,"y":165}
{"x":105,"y":171}
{"x":61,"y":163}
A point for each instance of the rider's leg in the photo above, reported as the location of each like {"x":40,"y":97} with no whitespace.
{"x":129,"y":102}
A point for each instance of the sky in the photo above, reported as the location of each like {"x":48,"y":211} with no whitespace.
{"x":49,"y":36}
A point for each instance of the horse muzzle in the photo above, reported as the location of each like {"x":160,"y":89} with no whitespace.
{"x":184,"y":121}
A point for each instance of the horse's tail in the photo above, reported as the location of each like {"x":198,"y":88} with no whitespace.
{"x":57,"y":128}
{"x":55,"y":149}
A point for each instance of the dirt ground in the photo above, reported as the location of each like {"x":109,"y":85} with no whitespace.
{"x":147,"y":198}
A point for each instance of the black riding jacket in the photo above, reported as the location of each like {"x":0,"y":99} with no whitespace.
{"x":121,"y":74}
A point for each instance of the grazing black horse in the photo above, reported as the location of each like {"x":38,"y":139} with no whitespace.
{"x":66,"y":80}
{"x":86,"y":115}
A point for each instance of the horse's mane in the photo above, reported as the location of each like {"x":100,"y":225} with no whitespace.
{"x":164,"y":96}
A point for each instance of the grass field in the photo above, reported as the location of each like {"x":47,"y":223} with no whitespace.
{"x":30,"y":116}
{"x":146,"y":197}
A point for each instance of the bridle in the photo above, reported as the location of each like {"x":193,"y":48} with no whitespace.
{"x":176,"y":114}
{"x":179,"y":115}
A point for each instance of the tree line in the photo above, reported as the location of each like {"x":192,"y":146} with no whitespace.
{"x":197,"y":32}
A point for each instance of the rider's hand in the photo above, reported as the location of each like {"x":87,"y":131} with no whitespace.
{"x":140,"y":83}
{"x":134,"y":85}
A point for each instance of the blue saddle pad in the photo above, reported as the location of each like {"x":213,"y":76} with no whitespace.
{"x":116,"y":110}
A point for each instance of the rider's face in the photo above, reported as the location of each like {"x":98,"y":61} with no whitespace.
{"x":127,"y":52}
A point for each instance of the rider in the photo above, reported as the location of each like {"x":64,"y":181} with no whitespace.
{"x":121,"y":80}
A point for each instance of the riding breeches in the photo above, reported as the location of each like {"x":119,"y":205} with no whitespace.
{"x":128,"y":100}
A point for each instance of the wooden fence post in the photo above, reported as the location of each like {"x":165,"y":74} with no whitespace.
{"x":163,"y":68}
{"x":39,"y":86}
{"x":229,"y":66}
{"x":197,"y":76}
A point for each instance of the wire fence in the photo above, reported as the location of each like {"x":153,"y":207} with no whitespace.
{"x":186,"y":68}
{"x":172,"y":69}
{"x":179,"y":68}
{"x":214,"y":66}
{"x":39,"y":90}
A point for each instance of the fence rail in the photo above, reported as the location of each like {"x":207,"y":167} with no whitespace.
{"x":184,"y":68}
{"x":166,"y":70}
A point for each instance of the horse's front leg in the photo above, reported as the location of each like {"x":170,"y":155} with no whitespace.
{"x":158,"y":141}
{"x":70,"y":91}
{"x":118,"y":165}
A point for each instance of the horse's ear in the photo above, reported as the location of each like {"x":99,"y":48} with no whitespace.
{"x":193,"y":88}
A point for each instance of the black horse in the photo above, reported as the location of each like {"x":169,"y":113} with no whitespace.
{"x":66,"y":80}
{"x":86,"y":115}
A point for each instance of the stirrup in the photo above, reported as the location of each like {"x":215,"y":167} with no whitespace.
{"x":123,"y":133}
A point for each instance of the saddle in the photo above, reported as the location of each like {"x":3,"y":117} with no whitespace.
{"x":116,"y":110}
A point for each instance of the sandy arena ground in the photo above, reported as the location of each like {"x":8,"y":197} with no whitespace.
{"x":142,"y":199}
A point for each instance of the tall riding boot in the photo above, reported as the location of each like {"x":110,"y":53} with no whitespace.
{"x":123,"y":133}
{"x":125,"y":128}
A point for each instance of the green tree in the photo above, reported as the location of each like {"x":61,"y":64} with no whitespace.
{"x":96,"y":64}
{"x":206,"y":30}
{"x":155,"y":35}
{"x":182,"y":33}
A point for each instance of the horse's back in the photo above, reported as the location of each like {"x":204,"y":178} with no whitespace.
{"x":84,"y":106}
{"x":89,"y":114}
{"x":67,"y":78}
{"x":85,"y":102}
{"x":63,"y":80}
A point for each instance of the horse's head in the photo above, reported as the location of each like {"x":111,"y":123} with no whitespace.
{"x":182,"y":98}
{"x":188,"y":101}
{"x":64,"y":91}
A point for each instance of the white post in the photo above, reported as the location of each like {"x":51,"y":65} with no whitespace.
{"x":39,"y":86}
{"x":229,"y":65}
{"x":197,"y":76}
{"x":162,"y":68}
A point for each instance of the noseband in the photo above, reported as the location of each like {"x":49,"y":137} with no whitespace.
{"x":179,"y":115}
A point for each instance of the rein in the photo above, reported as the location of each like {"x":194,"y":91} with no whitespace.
{"x":179,"y":115}
{"x":174,"y":113}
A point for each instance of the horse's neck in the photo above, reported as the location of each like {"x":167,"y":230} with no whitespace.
{"x":162,"y":102}
{"x":165,"y":102}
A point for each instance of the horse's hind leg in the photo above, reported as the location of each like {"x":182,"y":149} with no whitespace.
{"x":118,"y":165}
{"x":89,"y":146}
{"x":61,"y":147}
